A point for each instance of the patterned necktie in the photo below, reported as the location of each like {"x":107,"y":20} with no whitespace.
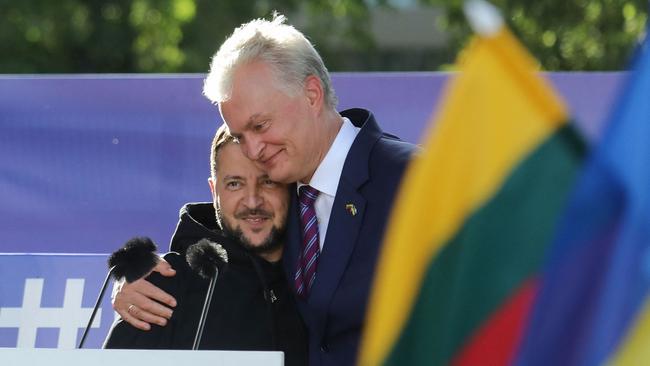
{"x":308,"y":259}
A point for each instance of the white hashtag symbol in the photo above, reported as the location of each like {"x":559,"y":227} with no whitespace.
{"x":31,"y":316}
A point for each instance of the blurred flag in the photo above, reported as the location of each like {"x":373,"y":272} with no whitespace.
{"x":593,"y":304}
{"x":476,"y":210}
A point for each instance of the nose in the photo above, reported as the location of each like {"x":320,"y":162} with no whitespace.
{"x":253,"y":197}
{"x":253,"y":148}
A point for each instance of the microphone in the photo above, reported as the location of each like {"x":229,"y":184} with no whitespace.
{"x":135,"y":259}
{"x":206,"y":258}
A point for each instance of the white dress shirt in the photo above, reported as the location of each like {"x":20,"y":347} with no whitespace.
{"x":327,"y":175}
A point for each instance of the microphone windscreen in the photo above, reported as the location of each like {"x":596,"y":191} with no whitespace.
{"x":135,"y":259}
{"x":206,"y":257}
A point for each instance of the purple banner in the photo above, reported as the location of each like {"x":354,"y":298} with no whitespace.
{"x":87,"y":162}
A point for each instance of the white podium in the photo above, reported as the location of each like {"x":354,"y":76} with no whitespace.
{"x":112,"y":357}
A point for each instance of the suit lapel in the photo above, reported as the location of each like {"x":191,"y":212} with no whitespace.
{"x":344,"y":226}
{"x":342,"y":233}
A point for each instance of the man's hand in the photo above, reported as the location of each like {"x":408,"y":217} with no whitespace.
{"x":135,"y":301}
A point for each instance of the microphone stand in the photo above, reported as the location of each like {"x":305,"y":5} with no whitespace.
{"x":204,"y":312}
{"x":97,"y":303}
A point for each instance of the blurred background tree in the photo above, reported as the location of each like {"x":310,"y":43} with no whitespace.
{"x":122,"y":36}
{"x":563,"y":34}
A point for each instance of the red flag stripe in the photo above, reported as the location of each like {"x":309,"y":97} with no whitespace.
{"x":497,"y":340}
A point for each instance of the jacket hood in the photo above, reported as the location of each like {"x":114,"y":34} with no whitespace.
{"x":198,"y":221}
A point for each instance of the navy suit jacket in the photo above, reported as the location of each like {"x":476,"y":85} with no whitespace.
{"x":335,"y":309}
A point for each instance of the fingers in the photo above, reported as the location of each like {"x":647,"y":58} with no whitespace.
{"x":164,"y":268}
{"x":137,"y":323}
{"x":147,"y":289}
{"x":148,"y":311}
{"x":139,"y":297}
{"x":122,"y":294}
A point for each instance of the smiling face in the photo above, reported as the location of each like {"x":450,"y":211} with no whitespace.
{"x":249,"y":205}
{"x":279,"y":131}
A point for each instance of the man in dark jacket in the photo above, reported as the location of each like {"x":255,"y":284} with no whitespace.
{"x":252,"y":307}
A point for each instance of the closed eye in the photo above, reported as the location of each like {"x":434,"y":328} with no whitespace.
{"x":260,"y":126}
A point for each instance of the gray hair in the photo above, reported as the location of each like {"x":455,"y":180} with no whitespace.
{"x":279,"y":45}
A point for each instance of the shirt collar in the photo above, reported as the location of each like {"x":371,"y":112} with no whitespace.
{"x":327,"y":175}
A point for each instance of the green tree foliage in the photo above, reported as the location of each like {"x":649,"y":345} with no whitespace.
{"x":117,"y":36}
{"x":77,"y":36}
{"x":340,"y":31}
{"x":563,"y":34}
{"x":64,"y":36}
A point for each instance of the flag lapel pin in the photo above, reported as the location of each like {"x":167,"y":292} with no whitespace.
{"x":351,"y":209}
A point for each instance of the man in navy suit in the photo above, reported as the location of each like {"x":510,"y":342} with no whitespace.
{"x":275,"y":95}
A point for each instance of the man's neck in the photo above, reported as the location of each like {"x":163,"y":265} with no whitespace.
{"x":272,"y":256}
{"x":332,"y":124}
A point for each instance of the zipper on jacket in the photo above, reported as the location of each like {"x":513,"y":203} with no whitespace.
{"x":269,"y":297}
{"x":272,"y":296}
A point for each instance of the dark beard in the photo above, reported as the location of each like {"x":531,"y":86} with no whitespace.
{"x":273,"y":241}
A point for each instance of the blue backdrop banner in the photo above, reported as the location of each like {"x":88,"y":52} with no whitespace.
{"x":87,"y":162}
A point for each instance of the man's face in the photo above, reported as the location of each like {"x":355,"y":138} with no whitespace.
{"x":276,"y":130}
{"x":249,"y":205}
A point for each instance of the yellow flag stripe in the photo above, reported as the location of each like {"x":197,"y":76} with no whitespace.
{"x":634,"y":350}
{"x":495,"y":111}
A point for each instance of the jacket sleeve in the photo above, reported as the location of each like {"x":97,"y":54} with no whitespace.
{"x":123,"y":335}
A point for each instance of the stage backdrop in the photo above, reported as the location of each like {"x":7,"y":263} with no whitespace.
{"x":86,"y":162}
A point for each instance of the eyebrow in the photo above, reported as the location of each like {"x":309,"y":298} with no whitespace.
{"x":233,"y":177}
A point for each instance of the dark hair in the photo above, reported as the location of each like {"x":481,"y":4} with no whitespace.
{"x":221,"y":138}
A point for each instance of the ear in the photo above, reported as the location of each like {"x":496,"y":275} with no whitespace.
{"x":213,"y":190}
{"x":314,"y":92}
